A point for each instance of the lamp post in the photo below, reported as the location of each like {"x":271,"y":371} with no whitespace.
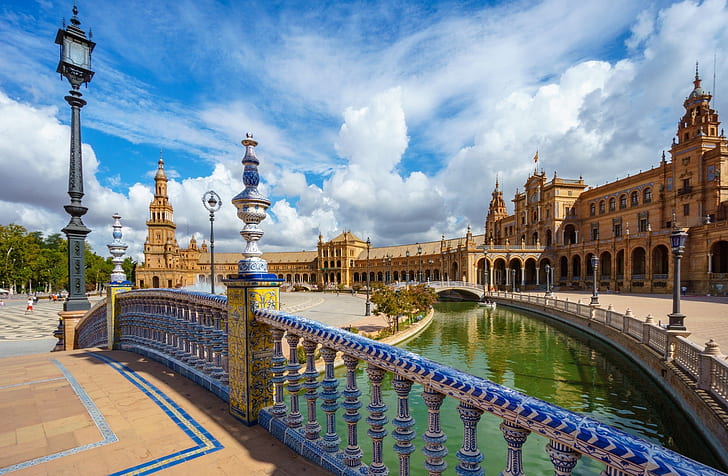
{"x":75,"y":66}
{"x":419,"y":256}
{"x":595,"y":295}
{"x":485,"y":272}
{"x":549,"y":281}
{"x":677,"y":242}
{"x":368,"y":307}
{"x":407,"y":254}
{"x":212,"y":203}
{"x":513,"y":280}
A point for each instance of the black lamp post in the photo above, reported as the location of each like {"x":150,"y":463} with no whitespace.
{"x":419,"y":255}
{"x":549,"y":281}
{"x":368,"y":308}
{"x":212,"y":203}
{"x":75,"y":66}
{"x":677,"y":242}
{"x":513,"y":280}
{"x":595,"y":294}
{"x":485,"y":272}
{"x":407,"y":254}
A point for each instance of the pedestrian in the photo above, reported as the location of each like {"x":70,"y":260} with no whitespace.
{"x":29,"y":306}
{"x":684,"y":290}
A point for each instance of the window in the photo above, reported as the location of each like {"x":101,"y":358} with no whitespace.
{"x":592,"y":209}
{"x":595,"y":232}
{"x":601,"y":207}
{"x":643,"y":222}
{"x":647,"y":195}
{"x":612,"y":204}
{"x":633,"y":199}
{"x":686,"y":210}
{"x":617,"y":229}
{"x":622,"y":202}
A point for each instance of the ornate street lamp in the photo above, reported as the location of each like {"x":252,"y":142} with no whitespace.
{"x":678,"y":237}
{"x":75,"y":66}
{"x":368,"y":308}
{"x":212,"y":203}
{"x":595,"y":295}
{"x":407,"y":254}
{"x":549,"y":281}
{"x":419,"y":255}
{"x":486,"y":288}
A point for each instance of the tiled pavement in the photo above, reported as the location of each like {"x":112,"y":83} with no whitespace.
{"x":110,"y":412}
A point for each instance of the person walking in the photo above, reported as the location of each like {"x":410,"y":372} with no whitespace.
{"x":29,"y":306}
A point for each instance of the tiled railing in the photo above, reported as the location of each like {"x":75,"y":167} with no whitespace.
{"x":92,"y":331}
{"x":188,"y":332}
{"x":294,"y":420}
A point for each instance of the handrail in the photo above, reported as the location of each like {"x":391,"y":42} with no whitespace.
{"x":570,"y":434}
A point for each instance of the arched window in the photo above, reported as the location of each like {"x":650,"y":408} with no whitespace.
{"x":601,"y":207}
{"x":612,"y":204}
{"x":592,"y":209}
{"x":623,"y":201}
{"x":634,"y":198}
{"x":647,"y":195}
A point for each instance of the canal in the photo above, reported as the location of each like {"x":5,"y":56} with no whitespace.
{"x":544,"y":359}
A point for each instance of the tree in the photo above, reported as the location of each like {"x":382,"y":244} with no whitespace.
{"x":408,"y":302}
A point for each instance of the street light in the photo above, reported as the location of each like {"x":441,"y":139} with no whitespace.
{"x":419,"y":255}
{"x":212,"y":203}
{"x":368,"y":308}
{"x":513,"y":280}
{"x":486,"y":288}
{"x":407,"y":254}
{"x":75,"y":66}
{"x":595,"y":295}
{"x":677,"y":242}
{"x":549,"y":281}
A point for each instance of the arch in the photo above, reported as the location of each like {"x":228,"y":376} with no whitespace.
{"x":563,"y":268}
{"x":569,"y":234}
{"x":454,"y":271}
{"x":396,"y":276}
{"x":719,"y":258}
{"x":288,"y":278}
{"x":380,"y":277}
{"x":530,"y":272}
{"x":576,"y":268}
{"x":634,"y":198}
{"x":592,"y":209}
{"x":338,"y":263}
{"x":605,"y":265}
{"x":660,"y":262}
{"x":516,"y":273}
{"x":612,"y":204}
{"x":619,"y":262}
{"x":549,"y":238}
{"x":602,"y":207}
{"x":356,"y":277}
{"x":499,"y":273}
{"x":639,"y":261}
{"x":155,"y":281}
{"x":623,"y":201}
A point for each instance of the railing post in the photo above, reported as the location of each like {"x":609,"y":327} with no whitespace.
{"x":313,"y":429}
{"x":351,"y":406}
{"x":435,"y":449}
{"x":403,"y":423}
{"x":515,"y":437}
{"x":562,"y":457}
{"x":329,"y":404}
{"x":112,"y":313}
{"x":377,"y":419}
{"x":469,"y":455}
{"x":294,"y":378}
{"x":705,"y":364}
{"x":277,"y":368}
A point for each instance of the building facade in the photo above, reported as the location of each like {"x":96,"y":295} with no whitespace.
{"x":556,"y":227}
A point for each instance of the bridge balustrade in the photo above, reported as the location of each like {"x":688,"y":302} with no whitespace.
{"x":188,"y":332}
{"x":570,"y":435}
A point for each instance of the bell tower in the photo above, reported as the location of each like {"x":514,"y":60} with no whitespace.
{"x":161,"y":249}
{"x":496,"y":211}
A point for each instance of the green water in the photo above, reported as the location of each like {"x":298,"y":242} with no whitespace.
{"x":540,"y":358}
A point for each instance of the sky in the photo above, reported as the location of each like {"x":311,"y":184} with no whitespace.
{"x":388,"y":119}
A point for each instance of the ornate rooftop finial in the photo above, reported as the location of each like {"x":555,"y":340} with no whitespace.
{"x":74,"y":19}
{"x":697,"y":74}
{"x":252,"y":208}
{"x":117,"y":248}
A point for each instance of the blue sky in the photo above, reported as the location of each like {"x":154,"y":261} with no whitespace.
{"x":389,"y":119}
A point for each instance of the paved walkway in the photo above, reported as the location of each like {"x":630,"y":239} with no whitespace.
{"x":103,"y":412}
